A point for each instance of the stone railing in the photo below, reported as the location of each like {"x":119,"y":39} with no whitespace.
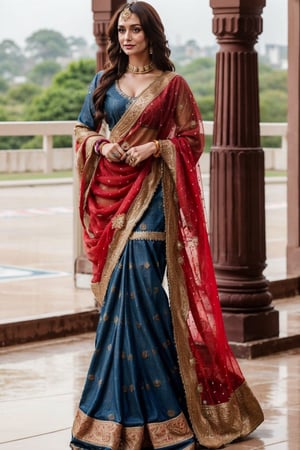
{"x":49,"y":159}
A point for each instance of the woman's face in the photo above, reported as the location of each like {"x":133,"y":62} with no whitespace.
{"x":131,"y":36}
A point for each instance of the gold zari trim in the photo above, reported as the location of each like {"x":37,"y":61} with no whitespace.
{"x":105,"y":433}
{"x":136,"y":108}
{"x":213,"y":425}
{"x":148,"y":235}
{"x":121,"y":237}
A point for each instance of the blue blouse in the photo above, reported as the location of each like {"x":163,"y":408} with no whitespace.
{"x":115,"y":104}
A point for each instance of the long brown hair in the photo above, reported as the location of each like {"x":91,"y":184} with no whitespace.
{"x":118,"y":60}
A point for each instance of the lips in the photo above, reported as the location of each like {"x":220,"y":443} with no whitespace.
{"x":128,"y":47}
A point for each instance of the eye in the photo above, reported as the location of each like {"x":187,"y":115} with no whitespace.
{"x":121,"y":30}
{"x":137,"y":29}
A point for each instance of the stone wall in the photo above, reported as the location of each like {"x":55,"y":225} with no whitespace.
{"x":20,"y":161}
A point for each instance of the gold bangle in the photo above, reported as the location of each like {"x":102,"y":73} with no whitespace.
{"x":101,"y":146}
{"x":157,"y":151}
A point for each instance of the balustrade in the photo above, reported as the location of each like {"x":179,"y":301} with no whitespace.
{"x":48,"y":159}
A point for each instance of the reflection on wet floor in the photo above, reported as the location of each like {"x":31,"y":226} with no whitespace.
{"x":40,"y":385}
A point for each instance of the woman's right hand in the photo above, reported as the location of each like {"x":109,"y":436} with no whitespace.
{"x":136,"y":154}
{"x":112,"y":152}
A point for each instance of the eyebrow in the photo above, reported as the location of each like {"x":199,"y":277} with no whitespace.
{"x":132,"y":25}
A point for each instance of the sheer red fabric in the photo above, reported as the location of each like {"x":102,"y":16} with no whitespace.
{"x":112,"y":191}
{"x":216,"y":367}
{"x":171,"y":115}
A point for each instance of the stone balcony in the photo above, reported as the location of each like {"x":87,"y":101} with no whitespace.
{"x":50,"y":159}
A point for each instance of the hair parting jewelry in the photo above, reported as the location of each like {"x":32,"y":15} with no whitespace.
{"x":140,"y":69}
{"x":126,"y":13}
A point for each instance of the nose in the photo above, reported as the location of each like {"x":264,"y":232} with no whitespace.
{"x":128,"y":35}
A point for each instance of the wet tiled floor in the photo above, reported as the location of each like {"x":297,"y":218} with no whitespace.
{"x":40,"y":383}
{"x":40,"y":386}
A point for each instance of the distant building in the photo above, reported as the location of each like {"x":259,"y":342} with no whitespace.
{"x":274,"y":55}
{"x":186,"y":53}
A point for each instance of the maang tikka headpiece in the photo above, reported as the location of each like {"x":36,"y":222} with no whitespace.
{"x":126,"y":13}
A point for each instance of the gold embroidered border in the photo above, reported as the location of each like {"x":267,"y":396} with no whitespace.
{"x":168,"y":154}
{"x":136,"y":108}
{"x":86,"y":164}
{"x":214,"y":425}
{"x":111,"y":434}
{"x":148,"y":235}
{"x":121,"y":237}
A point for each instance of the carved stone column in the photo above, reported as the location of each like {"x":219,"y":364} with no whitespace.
{"x":237,"y":199}
{"x":103,"y":11}
{"x":293,"y":245}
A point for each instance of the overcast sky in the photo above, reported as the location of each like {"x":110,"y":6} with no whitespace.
{"x":183,"y":19}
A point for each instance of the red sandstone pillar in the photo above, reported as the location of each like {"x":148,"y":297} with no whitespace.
{"x":103,"y":11}
{"x":293,"y":245}
{"x":237,"y":199}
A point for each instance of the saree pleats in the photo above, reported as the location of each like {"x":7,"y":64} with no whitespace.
{"x":133,"y":390}
{"x":163,"y":374}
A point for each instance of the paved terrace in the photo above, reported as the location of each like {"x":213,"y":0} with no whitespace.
{"x":40,"y":382}
{"x":37,"y":249}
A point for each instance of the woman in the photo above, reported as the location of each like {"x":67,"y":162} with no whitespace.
{"x":162,"y":374}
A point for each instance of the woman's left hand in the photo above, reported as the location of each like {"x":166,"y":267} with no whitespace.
{"x":135,"y":155}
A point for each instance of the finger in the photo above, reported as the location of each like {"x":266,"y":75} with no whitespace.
{"x":132,"y":161}
{"x":115,"y":155}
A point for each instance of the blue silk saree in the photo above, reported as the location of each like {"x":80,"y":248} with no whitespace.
{"x":162,"y":375}
{"x":134,"y":379}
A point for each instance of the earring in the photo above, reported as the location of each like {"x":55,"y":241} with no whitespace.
{"x":150,"y":50}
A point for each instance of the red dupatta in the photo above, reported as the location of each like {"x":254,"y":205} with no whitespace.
{"x":108,"y":190}
{"x":113,"y":198}
{"x":111,"y":193}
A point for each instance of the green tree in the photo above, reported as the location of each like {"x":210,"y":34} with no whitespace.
{"x":63,"y":99}
{"x":273,"y":106}
{"x":46,"y":45}
{"x":3,"y":114}
{"x":12,"y":109}
{"x":206,"y":106}
{"x":272,"y":79}
{"x":22,"y":93}
{"x":200,"y":75}
{"x":3,"y":85}
{"x":42,"y":73}
{"x":77,"y":45}
{"x":80,"y":71}
{"x":11,"y":59}
{"x":273,"y":94}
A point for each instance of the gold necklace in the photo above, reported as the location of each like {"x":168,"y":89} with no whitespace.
{"x":143,"y":69}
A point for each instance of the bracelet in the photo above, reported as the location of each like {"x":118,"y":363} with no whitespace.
{"x":157,"y":151}
{"x":99,"y":144}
